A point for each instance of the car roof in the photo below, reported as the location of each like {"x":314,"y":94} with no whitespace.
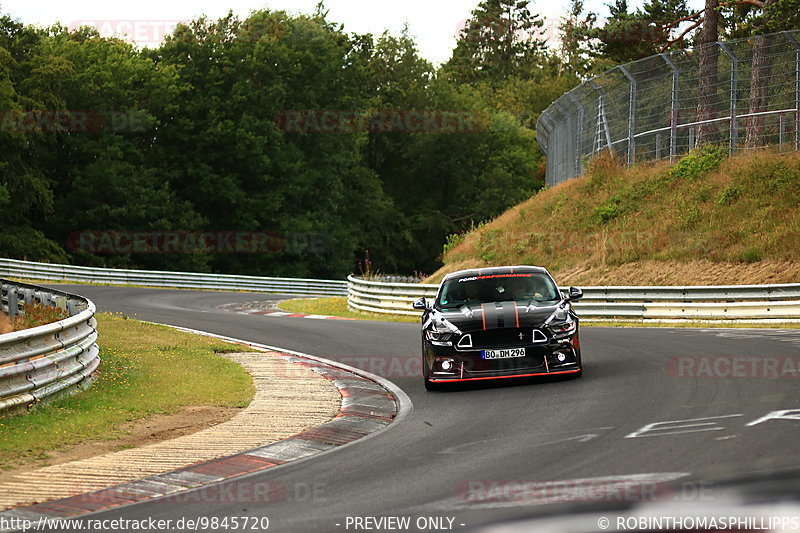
{"x":491,"y":271}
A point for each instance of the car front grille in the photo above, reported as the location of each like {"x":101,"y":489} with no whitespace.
{"x":505,"y":338}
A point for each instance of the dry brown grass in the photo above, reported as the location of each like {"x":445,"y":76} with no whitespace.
{"x":33,"y":315}
{"x":6,"y":324}
{"x":648,"y":224}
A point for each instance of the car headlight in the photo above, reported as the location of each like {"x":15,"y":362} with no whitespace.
{"x":438,"y":336}
{"x":563,"y":328}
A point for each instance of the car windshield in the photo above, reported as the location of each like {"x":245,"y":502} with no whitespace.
{"x":528,"y":286}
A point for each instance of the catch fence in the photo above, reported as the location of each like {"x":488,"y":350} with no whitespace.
{"x":741,"y":94}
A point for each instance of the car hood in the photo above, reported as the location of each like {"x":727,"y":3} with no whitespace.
{"x":476,"y":317}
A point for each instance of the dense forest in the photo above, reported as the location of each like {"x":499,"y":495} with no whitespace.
{"x":283,"y":145}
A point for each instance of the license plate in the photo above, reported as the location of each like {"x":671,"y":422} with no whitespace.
{"x":503,"y":354}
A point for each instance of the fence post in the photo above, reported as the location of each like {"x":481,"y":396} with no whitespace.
{"x":673,"y":123}
{"x":543,"y":133}
{"x":793,"y":41}
{"x":562,"y":146}
{"x":602,"y":123}
{"x":579,"y":134}
{"x":734,"y":127}
{"x":631,"y":116}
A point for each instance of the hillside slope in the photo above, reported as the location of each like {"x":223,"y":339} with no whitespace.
{"x":705,"y":220}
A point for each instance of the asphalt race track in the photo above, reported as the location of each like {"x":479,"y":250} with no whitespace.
{"x":441,"y":460}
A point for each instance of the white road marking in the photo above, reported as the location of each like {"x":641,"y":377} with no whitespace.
{"x":786,"y":414}
{"x":656,"y":429}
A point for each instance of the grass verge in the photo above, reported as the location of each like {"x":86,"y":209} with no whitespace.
{"x":146,"y":370}
{"x":706,"y":220}
{"x":337,"y":306}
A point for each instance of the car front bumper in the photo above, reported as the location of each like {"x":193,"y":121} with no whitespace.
{"x":445,"y":364}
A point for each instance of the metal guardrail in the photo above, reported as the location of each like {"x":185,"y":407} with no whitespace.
{"x":735,"y":302}
{"x":388,"y":298}
{"x":37,"y":363}
{"x":186,"y":280}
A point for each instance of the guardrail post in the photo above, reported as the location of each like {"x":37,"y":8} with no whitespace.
{"x":673,"y":122}
{"x":734,"y":127}
{"x":13,"y":302}
{"x":793,"y":42}
{"x":631,"y":116}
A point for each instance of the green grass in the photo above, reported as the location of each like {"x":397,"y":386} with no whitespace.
{"x":705,"y":207}
{"x":146,"y":369}
{"x":337,"y":306}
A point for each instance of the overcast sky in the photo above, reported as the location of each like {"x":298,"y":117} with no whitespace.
{"x":433,"y":23}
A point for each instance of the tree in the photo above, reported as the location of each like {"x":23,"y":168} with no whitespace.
{"x":631,"y":35}
{"x":502,"y":38}
{"x":27,"y":82}
{"x":743,"y":20}
{"x":577,"y":50}
{"x":774,"y":15}
{"x":707,"y":73}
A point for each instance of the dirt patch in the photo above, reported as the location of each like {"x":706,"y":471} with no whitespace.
{"x":149,"y":430}
{"x":6,"y":324}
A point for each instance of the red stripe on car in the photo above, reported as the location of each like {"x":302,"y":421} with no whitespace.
{"x":506,"y":377}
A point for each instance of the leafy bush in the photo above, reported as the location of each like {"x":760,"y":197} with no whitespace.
{"x":452,"y":240}
{"x":728,"y":196}
{"x":699,"y":162}
{"x":611,"y":209}
{"x":486,"y":245}
{"x":751,"y":255}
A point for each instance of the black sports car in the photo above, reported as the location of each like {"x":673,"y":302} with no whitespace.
{"x":501,"y":322}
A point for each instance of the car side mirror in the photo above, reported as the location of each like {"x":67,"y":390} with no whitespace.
{"x":575,"y":293}
{"x":421,"y":304}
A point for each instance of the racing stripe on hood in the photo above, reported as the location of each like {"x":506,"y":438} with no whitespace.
{"x":509,"y":316}
{"x":492,"y":315}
